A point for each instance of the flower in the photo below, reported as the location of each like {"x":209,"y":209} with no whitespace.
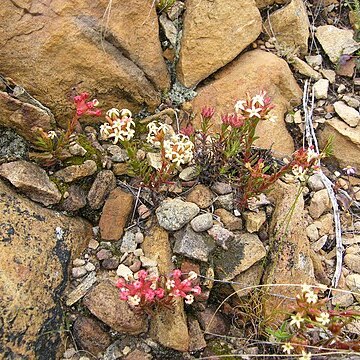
{"x":254,"y":112}
{"x":52,"y":134}
{"x":158,"y":132}
{"x":239,"y":105}
{"x":299,"y":172}
{"x":189,"y":299}
{"x":258,"y":99}
{"x":296,"y":320}
{"x":311,"y":154}
{"x":233,"y":120}
{"x":134,"y":300}
{"x":287,"y":348}
{"x":179,"y":149}
{"x":84,"y":107}
{"x":270,"y":117}
{"x":113,"y":113}
{"x":323,"y":318}
{"x":105,"y":130}
{"x":196,"y":290}
{"x":207,"y":112}
{"x":311,"y":297}
{"x":306,"y":288}
{"x":349,"y":170}
{"x":192,"y":275}
{"x":305,"y":356}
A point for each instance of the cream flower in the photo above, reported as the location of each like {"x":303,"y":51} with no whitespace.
{"x":305,"y":356}
{"x":287,"y":348}
{"x":240,"y":105}
{"x":52,"y":134}
{"x":254,"y":112}
{"x":306,"y":288}
{"x":296,"y":320}
{"x":299,"y":172}
{"x":113,"y":113}
{"x":192,"y":275}
{"x":311,"y":297}
{"x":189,"y":299}
{"x":258,"y":99}
{"x":323,"y":318}
{"x":134,"y":300}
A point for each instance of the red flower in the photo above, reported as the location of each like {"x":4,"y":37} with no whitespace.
{"x":84,"y":107}
{"x":207,"y":112}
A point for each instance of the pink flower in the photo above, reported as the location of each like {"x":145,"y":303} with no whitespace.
{"x":86,"y":108}
{"x":196,"y":290}
{"x":234,"y":120}
{"x":207,"y":112}
{"x":176,"y":273}
{"x":160,"y":293}
{"x":188,"y":130}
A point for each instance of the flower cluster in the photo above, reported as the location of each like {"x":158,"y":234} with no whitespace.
{"x":119,"y":125}
{"x":148,"y":290}
{"x":304,"y":162}
{"x":179,"y":149}
{"x":158,"y":133}
{"x":84,"y":107}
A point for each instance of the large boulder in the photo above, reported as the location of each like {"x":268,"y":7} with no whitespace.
{"x":61,"y":47}
{"x":252,"y":72}
{"x":36,"y":245}
{"x":215,"y":32}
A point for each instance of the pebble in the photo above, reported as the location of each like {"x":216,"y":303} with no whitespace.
{"x":93,"y":244}
{"x":230,"y":221}
{"x":139,"y":252}
{"x":353,"y":283}
{"x":143,"y":212}
{"x":124,"y":272}
{"x":189,"y":173}
{"x":220,"y":235}
{"x":78,"y":262}
{"x":90,"y":267}
{"x":341,"y":89}
{"x":321,"y":88}
{"x":315,"y":183}
{"x":318,"y":245}
{"x":104,"y":182}
{"x":319,"y":204}
{"x":146,"y":262}
{"x":103,"y":254}
{"x":314,"y":60}
{"x":355,"y":103}
{"x":128,"y":243}
{"x":312,"y":232}
{"x":329,"y":74}
{"x":201,"y":196}
{"x":110,"y":264}
{"x":69,"y":353}
{"x":76,"y":172}
{"x":78,"y":272}
{"x":136,"y":266}
{"x":139,"y":237}
{"x":202,"y":222}
{"x":347,"y":113}
{"x":254,"y":220}
{"x":225,"y":201}
{"x":221,"y":188}
{"x":117,"y":153}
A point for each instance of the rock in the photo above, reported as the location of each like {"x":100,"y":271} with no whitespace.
{"x":329,"y":74}
{"x":293,"y":264}
{"x":173,"y":214}
{"x":347,"y":113}
{"x":325,"y":224}
{"x":32,"y":180}
{"x":321,"y":88}
{"x":201,"y":196}
{"x":290,"y":26}
{"x":189,"y":173}
{"x":248,"y":280}
{"x":319,"y":204}
{"x":206,"y":46}
{"x":230,"y":221}
{"x":78,"y":272}
{"x":23,"y":117}
{"x":79,"y":262}
{"x":193,"y":245}
{"x":128,"y":243}
{"x":212,"y":321}
{"x":220,"y":235}
{"x":90,"y":267}
{"x":314,"y":60}
{"x":116,"y":211}
{"x":355,"y":103}
{"x":341,"y":89}
{"x":243,"y":251}
{"x":12,"y":146}
{"x":104,"y":182}
{"x":312,"y":232}
{"x":350,"y":239}
{"x":342,"y":299}
{"x":169,"y":29}
{"x":154,"y":160}
{"x":221,"y":188}
{"x":319,"y":244}
{"x":315,"y":183}
{"x":168,"y":327}
{"x":352,"y":261}
{"x":104,"y":303}
{"x":75,"y":172}
{"x":139,"y":237}
{"x":124,"y":272}
{"x":117,"y":154}
{"x":225,"y":201}
{"x":254,"y":220}
{"x":336,"y":42}
{"x":81,"y":290}
{"x":90,"y":335}
{"x":197,"y":341}
{"x":148,"y":263}
{"x":175,"y":11}
{"x":123,"y":59}
{"x":77,"y":150}
{"x":138,"y":355}
{"x":35,"y":251}
{"x":353,"y":283}
{"x":202,"y":222}
{"x":75,"y":200}
{"x":264,"y":3}
{"x":104,"y":254}
{"x":111,"y":264}
{"x":346,"y":144}
{"x":120,"y":169}
{"x":303,"y":68}
{"x":243,"y":76}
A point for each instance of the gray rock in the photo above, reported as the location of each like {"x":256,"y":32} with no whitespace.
{"x":355,"y":103}
{"x":104,"y":182}
{"x":321,"y":88}
{"x":75,"y":200}
{"x":32,"y":180}
{"x":169,"y":28}
{"x":173,"y":214}
{"x":189,"y":173}
{"x":312,"y":232}
{"x":319,"y":204}
{"x":314,"y":60}
{"x":221,"y":188}
{"x":347,"y":113}
{"x":225,"y":201}
{"x":12,"y":146}
{"x":220,"y":235}
{"x":117,"y":154}
{"x":90,"y":267}
{"x":193,"y":245}
{"x":128,"y":242}
{"x":76,"y":172}
{"x":243,"y":251}
{"x":352,"y":261}
{"x":103,"y":254}
{"x":110,"y":264}
{"x":202,"y":222}
{"x":315,"y":183}
{"x":78,"y":272}
{"x":254,"y":220}
{"x":77,"y":150}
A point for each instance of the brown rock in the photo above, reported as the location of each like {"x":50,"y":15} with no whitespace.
{"x":94,"y":46}
{"x":214,"y":33}
{"x":120,"y":169}
{"x":212,"y":321}
{"x":103,"y":302}
{"x":105,"y":182}
{"x":249,"y":278}
{"x":201,"y":196}
{"x":290,"y":258}
{"x":115,"y":214}
{"x":90,"y":335}
{"x":23,"y":117}
{"x":75,"y":172}
{"x":197,"y":341}
{"x":319,"y":204}
{"x":138,"y":355}
{"x":254,"y":220}
{"x":263,"y":3}
{"x":32,"y":180}
{"x":35,"y":248}
{"x":346,"y":144}
{"x":156,"y":246}
{"x":254,"y":71}
{"x":75,"y":200}
{"x":290,"y":26}
{"x":230,"y":221}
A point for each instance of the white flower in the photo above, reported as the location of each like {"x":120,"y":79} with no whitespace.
{"x":311,"y":297}
{"x":113,"y":113}
{"x":105,"y":130}
{"x":270,"y":117}
{"x":299,"y":172}
{"x":192,"y":275}
{"x":323,"y":318}
{"x":189,"y":299}
{"x":296,"y":320}
{"x":134,"y":300}
{"x":287,"y":348}
{"x":125,"y":113}
{"x":116,"y":134}
{"x":254,"y":112}
{"x":179,"y":149}
{"x":305,"y":356}
{"x":240,"y":105}
{"x":306,"y":288}
{"x":95,"y":102}
{"x":258,"y":99}
{"x":311,"y":154}
{"x":170,"y":284}
{"x":52,"y":134}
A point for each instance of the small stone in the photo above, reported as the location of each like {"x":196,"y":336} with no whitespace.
{"x":110,"y":264}
{"x":341,"y":89}
{"x":143,"y":211}
{"x":202,"y":222}
{"x":352,"y":261}
{"x":329,"y":74}
{"x":81,"y":290}
{"x":69,"y":353}
{"x":78,"y":262}
{"x":220,"y":235}
{"x":221,"y":188}
{"x":230,"y":221}
{"x":189,"y":173}
{"x":76,"y":172}
{"x":154,"y":160}
{"x":117,"y":154}
{"x":169,"y":29}
{"x":77,"y":150}
{"x":78,"y":272}
{"x":353,"y":283}
{"x":175,"y":11}
{"x":318,"y":245}
{"x":319,"y":204}
{"x":225,"y":201}
{"x":212,"y":321}
{"x":146,"y":262}
{"x":201,"y":196}
{"x":254,"y":220}
{"x":197,"y":341}
{"x":321,"y":88}
{"x":298,"y":117}
{"x":120,"y":169}
{"x":312,"y":232}
{"x":342,"y":299}
{"x":173,"y":214}
{"x":314,"y":60}
{"x":315,"y":183}
{"x":355,"y":103}
{"x":104,"y":182}
{"x":124,"y":272}
{"x":347,"y":113}
{"x":135,"y":267}
{"x":303,"y":68}
{"x":245,"y":281}
{"x":139,"y":237}
{"x":348,"y":239}
{"x":75,"y":199}
{"x":128,"y":243}
{"x":90,"y":267}
{"x":137,"y":355}
{"x":325,"y":224}
{"x":93,"y":244}
{"x":139,"y":252}
{"x":103,"y":254}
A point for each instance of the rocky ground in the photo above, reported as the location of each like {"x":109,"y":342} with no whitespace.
{"x":69,"y":231}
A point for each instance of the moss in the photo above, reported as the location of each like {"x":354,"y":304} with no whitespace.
{"x":218,"y":347}
{"x":62,"y":186}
